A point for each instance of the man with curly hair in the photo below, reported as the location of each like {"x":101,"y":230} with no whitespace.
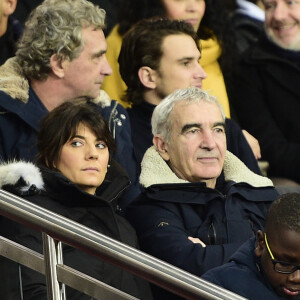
{"x":61,"y":56}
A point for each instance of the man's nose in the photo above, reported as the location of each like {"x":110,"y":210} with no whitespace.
{"x":200,"y":72}
{"x":280,"y":11}
{"x":295,"y":277}
{"x":207,"y":140}
{"x":106,"y":69}
{"x":191,"y":5}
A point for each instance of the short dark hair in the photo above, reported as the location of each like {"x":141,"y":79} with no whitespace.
{"x":142,"y":46}
{"x":284,"y":213}
{"x":61,"y":124}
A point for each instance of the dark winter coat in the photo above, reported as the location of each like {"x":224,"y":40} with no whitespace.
{"x":96,"y":212}
{"x":140,"y":120}
{"x":243,"y":275}
{"x":171,"y":209}
{"x":21,"y":112}
{"x":266,"y":99}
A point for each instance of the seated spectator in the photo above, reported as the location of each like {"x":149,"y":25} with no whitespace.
{"x":266,"y":93}
{"x":60,"y":57}
{"x":200,"y":203}
{"x":10,"y":30}
{"x":267,"y":267}
{"x":194,"y":12}
{"x":74,"y":153}
{"x":156,"y":58}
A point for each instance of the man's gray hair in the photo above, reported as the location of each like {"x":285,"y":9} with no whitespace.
{"x":161,"y":121}
{"x":55,"y":27}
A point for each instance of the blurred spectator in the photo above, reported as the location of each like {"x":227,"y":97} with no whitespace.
{"x":24,"y":8}
{"x":266,"y":89}
{"x":10,"y":30}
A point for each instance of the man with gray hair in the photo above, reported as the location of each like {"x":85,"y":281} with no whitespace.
{"x":200,"y":202}
{"x":61,"y":56}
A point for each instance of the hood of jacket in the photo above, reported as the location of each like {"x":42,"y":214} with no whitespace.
{"x":14,"y":83}
{"x":155,"y":170}
{"x":21,"y":177}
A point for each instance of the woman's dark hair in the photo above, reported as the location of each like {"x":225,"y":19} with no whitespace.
{"x":61,"y":124}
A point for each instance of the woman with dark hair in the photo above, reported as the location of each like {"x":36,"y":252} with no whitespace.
{"x":79,"y":181}
{"x":212,"y":15}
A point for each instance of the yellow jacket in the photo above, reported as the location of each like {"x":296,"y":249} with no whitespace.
{"x":211,"y":51}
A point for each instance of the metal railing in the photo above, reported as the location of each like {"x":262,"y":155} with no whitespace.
{"x":57,"y":227}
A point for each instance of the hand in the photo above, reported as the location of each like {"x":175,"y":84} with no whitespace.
{"x":196,"y":241}
{"x":253,"y":143}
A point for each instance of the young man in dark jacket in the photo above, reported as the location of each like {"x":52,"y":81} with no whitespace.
{"x":267,"y":267}
{"x":266,"y":89}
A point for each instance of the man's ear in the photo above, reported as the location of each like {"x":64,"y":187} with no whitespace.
{"x":260,"y":243}
{"x":57,"y":66}
{"x":161,"y":146}
{"x":9,"y":7}
{"x":147,"y":77}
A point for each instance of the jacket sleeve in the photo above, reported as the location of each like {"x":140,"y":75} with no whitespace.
{"x":252,"y":89}
{"x":161,"y":233}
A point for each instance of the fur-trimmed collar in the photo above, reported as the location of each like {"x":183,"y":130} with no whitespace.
{"x":14,"y":83}
{"x":12,"y":172}
{"x":156,"y":171}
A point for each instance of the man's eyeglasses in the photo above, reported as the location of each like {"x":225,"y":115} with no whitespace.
{"x":281,"y":266}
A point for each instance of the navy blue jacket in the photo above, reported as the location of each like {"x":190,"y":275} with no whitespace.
{"x":170,"y":210}
{"x":243,"y":275}
{"x":21,"y":112}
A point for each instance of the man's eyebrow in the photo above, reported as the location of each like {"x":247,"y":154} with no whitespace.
{"x":189,"y":58}
{"x":220,"y":124}
{"x":99,"y":54}
{"x":186,"y":127}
